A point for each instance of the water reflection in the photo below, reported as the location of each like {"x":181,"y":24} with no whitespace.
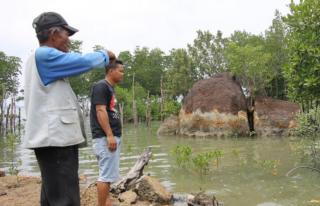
{"x":251,"y":171}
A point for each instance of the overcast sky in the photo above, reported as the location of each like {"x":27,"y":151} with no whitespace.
{"x":124,"y":24}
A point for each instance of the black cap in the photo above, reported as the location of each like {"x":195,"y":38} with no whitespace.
{"x":47,"y":20}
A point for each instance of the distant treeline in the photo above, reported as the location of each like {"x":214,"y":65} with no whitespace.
{"x":283,"y":62}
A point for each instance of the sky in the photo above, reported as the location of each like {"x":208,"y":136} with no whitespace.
{"x":120,"y":25}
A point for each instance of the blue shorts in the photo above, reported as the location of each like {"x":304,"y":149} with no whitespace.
{"x":108,"y":161}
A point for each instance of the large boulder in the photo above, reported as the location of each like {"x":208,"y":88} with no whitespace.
{"x":214,"y":107}
{"x":170,"y":126}
{"x":218,"y":107}
{"x":273,"y":117}
{"x":150,"y":189}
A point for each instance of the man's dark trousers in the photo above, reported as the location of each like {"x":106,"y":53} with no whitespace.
{"x":59,"y":173}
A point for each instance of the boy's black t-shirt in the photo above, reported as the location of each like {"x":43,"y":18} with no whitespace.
{"x":102,"y":93}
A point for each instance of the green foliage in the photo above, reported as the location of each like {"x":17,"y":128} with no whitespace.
{"x":154,"y":70}
{"x":200,"y":162}
{"x":125,"y":96}
{"x":309,"y":130}
{"x":80,"y":84}
{"x":98,"y":47}
{"x":270,"y":165}
{"x":155,"y":108}
{"x":11,"y":144}
{"x":303,"y":70}
{"x":247,"y":58}
{"x":10,"y":69}
{"x":258,"y":60}
{"x":148,"y":67}
{"x":171,"y":107}
{"x":309,"y":123}
{"x":183,"y":155}
{"x":207,"y":54}
{"x":75,"y":46}
{"x":180,"y":75}
{"x":127,"y":59}
{"x":276,"y":45}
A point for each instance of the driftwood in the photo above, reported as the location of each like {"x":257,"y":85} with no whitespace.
{"x":306,"y":167}
{"x":133,"y":176}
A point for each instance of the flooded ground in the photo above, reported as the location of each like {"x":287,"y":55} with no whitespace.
{"x":250,"y":172}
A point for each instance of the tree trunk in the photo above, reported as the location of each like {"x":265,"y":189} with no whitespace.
{"x":13,"y":116}
{"x":121,"y":107}
{"x":1,"y":117}
{"x":162,"y":100}
{"x":134,"y":106}
{"x":19,"y":121}
{"x":250,"y":113}
{"x":2,"y":112}
{"x":148,"y":111}
{"x":303,"y":106}
{"x":7,"y":118}
{"x":277,"y":89}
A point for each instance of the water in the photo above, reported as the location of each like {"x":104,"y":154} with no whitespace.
{"x":251,"y":171}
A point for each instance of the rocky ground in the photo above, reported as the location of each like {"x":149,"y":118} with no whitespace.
{"x":25,"y":191}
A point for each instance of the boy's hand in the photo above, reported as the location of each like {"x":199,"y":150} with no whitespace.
{"x":112,"y":143}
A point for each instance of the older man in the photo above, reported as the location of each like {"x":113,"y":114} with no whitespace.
{"x":53,"y":127}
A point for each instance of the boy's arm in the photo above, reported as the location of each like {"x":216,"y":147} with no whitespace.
{"x":103,"y":120}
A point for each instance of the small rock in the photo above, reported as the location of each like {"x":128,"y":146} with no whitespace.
{"x":150,"y":189}
{"x":128,"y":197}
{"x":3,"y":193}
{"x":203,"y":199}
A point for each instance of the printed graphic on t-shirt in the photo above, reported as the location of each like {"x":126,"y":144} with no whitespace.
{"x":113,"y":104}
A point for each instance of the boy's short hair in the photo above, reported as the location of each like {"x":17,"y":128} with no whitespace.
{"x":113,"y":65}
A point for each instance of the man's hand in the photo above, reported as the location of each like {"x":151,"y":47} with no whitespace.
{"x":112,"y":56}
{"x":112,"y":143}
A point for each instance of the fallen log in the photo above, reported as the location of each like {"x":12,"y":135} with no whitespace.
{"x":133,"y":176}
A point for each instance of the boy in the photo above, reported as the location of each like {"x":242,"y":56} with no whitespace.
{"x":106,"y":130}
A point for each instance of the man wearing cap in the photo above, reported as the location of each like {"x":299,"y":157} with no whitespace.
{"x":54,"y":126}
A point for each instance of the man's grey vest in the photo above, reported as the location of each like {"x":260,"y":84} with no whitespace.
{"x":52,"y":112}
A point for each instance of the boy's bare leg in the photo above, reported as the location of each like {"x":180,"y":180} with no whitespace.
{"x":103,"y":194}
